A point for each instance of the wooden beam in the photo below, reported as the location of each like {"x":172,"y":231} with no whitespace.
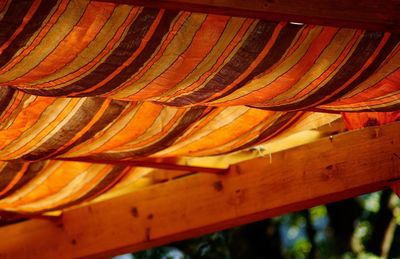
{"x":396,"y":188}
{"x":152,"y":164}
{"x":363,"y":14}
{"x":331,"y":169}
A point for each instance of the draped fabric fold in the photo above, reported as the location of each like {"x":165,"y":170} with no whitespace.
{"x":101,"y":82}
{"x":86,"y":48}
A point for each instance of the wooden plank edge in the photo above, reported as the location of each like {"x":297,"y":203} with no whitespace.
{"x":295,"y":207}
{"x":213,"y":7}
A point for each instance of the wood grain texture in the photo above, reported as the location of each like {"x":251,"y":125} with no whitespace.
{"x":331,"y":169}
{"x":365,"y":14}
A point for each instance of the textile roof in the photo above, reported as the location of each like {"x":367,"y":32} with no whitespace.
{"x":99,"y":82}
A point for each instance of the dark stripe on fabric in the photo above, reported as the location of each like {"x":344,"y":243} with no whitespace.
{"x":13,"y":18}
{"x":364,"y":108}
{"x":281,"y":124}
{"x":31,"y":27}
{"x":161,"y":30}
{"x":119,"y":55}
{"x":8,"y":173}
{"x":112,"y":112}
{"x":242,"y":59}
{"x":117,"y":172}
{"x":6,"y":96}
{"x":281,"y":45}
{"x":190,"y":117}
{"x":389,"y":108}
{"x":362,"y":53}
{"x":32,"y":171}
{"x":392,"y":42}
{"x":78,"y":121}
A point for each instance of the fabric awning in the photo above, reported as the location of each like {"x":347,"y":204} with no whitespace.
{"x":93,"y":81}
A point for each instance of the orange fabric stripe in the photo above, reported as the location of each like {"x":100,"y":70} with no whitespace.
{"x":202,"y":43}
{"x":87,"y":67}
{"x":221,"y":59}
{"x":327,"y":72}
{"x":24,"y":120}
{"x":94,"y":119}
{"x":369,"y":61}
{"x":132,"y":57}
{"x":166,"y":128}
{"x":254,"y":64}
{"x":45,"y":132}
{"x":85,"y":30}
{"x":290,"y":77}
{"x":85,"y":188}
{"x":171,"y":34}
{"x":61,"y":8}
{"x":59,"y":178}
{"x":17,"y":100}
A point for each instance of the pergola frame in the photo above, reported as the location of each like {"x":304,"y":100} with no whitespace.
{"x":331,"y":169}
{"x":363,"y":14}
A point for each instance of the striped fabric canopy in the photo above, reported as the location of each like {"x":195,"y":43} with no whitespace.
{"x":102,"y":83}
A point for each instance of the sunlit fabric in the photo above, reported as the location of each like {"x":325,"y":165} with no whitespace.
{"x":84,"y":48}
{"x":103,"y":83}
{"x":366,"y":119}
{"x":35,"y":128}
{"x":41,"y":186}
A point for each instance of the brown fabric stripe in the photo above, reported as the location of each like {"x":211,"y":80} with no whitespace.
{"x":282,"y":123}
{"x":172,"y":64}
{"x":78,"y":121}
{"x":284,"y":40}
{"x":32,"y":171}
{"x":113,"y":111}
{"x":246,"y":54}
{"x":364,"y":50}
{"x":387,"y":108}
{"x":392,"y":42}
{"x":8,"y":173}
{"x":6,"y":96}
{"x":127,"y":72}
{"x":117,"y":172}
{"x":13,"y":18}
{"x":190,"y":117}
{"x":33,"y":25}
{"x":55,"y":48}
{"x":119,"y":55}
{"x":128,"y":45}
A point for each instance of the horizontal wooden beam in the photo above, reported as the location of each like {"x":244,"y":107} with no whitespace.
{"x":363,"y":14}
{"x":331,"y":169}
{"x":153,"y":164}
